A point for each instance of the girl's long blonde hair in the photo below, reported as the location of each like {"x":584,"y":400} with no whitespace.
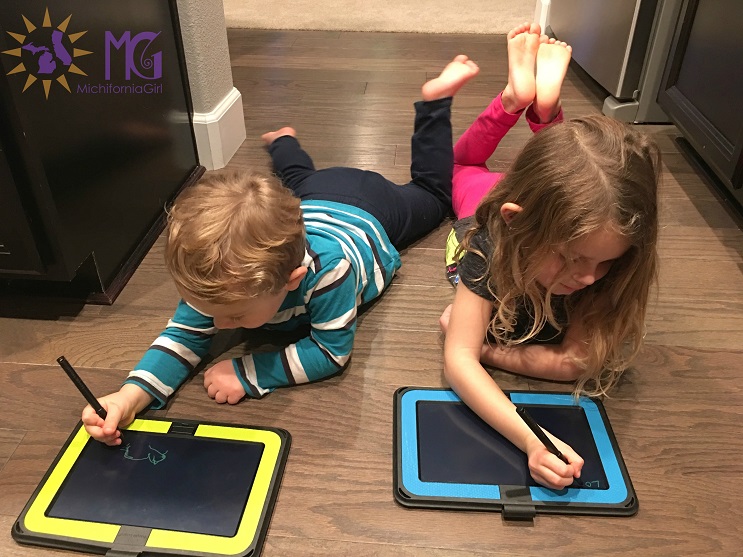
{"x":571,"y":179}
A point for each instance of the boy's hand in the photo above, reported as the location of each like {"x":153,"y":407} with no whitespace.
{"x":549,"y":470}
{"x":222,"y":384}
{"x":121,"y":408}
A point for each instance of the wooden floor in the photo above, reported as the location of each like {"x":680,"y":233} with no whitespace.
{"x":678,"y":415}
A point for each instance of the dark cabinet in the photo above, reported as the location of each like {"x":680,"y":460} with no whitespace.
{"x":702,"y":89}
{"x":95,"y":140}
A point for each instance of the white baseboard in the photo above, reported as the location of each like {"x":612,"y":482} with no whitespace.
{"x":220,"y":133}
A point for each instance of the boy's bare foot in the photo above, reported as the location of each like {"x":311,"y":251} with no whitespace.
{"x":553,"y":58}
{"x":457,"y":72}
{"x":270,"y":137}
{"x":523,"y":43}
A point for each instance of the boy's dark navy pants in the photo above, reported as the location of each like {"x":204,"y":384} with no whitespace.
{"x":407,"y":212}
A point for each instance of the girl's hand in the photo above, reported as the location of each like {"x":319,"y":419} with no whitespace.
{"x":121,"y":407}
{"x":549,"y":470}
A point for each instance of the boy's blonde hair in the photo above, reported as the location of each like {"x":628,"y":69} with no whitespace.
{"x":571,"y":179}
{"x":234,"y":236}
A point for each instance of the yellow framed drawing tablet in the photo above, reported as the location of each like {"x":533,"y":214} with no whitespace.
{"x":173,"y":488}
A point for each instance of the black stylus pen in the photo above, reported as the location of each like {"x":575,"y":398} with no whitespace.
{"x":534,"y":426}
{"x":83,"y":388}
{"x":542,"y":436}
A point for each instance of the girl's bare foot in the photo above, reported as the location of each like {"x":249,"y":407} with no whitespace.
{"x":457,"y":72}
{"x":553,"y":58}
{"x":523,"y":43}
{"x":270,"y":137}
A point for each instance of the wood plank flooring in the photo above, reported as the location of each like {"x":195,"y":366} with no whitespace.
{"x":677,"y":415}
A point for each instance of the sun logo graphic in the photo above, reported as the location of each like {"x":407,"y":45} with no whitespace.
{"x":46,"y":53}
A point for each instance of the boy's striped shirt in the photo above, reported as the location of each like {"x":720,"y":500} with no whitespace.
{"x":349,"y":260}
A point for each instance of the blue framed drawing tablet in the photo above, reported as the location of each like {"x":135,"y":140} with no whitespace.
{"x":174,"y":488}
{"x":447,"y":457}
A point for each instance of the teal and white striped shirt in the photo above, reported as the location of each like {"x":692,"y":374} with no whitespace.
{"x":349,"y":260}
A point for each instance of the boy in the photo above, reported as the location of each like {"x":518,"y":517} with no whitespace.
{"x":245,"y":251}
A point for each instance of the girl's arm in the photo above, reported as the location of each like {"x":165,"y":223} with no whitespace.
{"x":556,"y":362}
{"x":466,"y":331}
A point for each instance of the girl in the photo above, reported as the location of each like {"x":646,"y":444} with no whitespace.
{"x":556,"y":263}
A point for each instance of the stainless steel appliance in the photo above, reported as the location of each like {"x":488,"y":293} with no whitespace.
{"x":623,"y":45}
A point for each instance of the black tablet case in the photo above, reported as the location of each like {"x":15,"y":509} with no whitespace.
{"x":447,"y":457}
{"x":209,"y":487}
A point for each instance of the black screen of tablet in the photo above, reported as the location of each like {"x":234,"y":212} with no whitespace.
{"x":456,"y":446}
{"x":189,"y":484}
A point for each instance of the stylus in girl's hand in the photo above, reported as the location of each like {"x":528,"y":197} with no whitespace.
{"x":542,"y":436}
